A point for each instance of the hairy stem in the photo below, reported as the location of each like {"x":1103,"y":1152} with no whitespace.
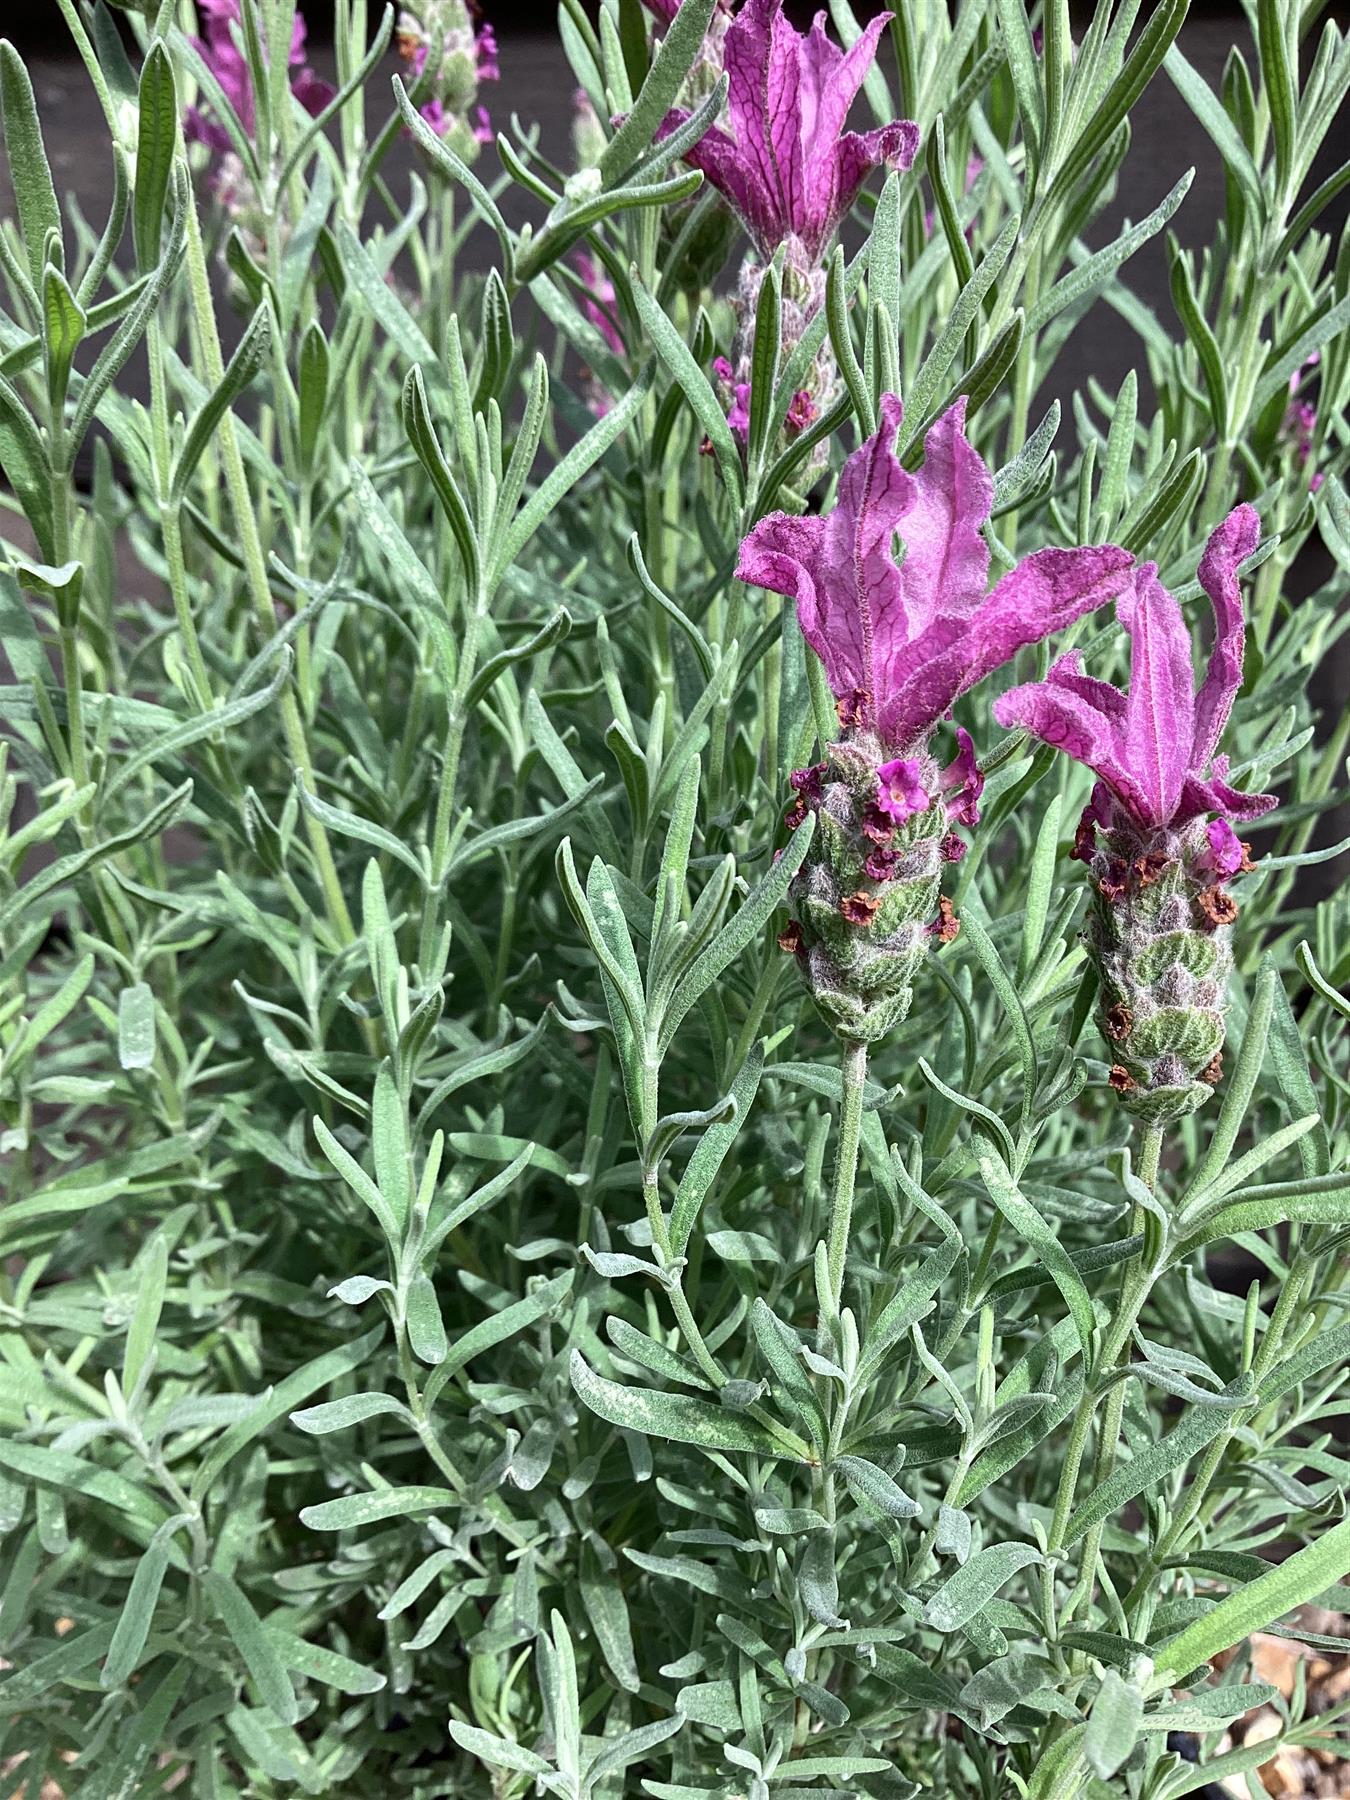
{"x":854,"y":1076}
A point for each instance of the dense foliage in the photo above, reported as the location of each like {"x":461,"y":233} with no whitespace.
{"x":467,"y":1321}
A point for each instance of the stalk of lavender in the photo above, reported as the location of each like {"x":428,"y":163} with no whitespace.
{"x":1157,"y":836}
{"x":1158,"y":841}
{"x":790,"y":171}
{"x":900,"y":643}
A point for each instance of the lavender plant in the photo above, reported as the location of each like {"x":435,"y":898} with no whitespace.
{"x":474,"y":1320}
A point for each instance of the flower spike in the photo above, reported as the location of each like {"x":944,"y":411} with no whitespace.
{"x":900,"y":641}
{"x":1157,"y":836}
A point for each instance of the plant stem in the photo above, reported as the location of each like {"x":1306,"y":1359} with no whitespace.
{"x":1135,"y":1286}
{"x":255,"y":567}
{"x":854,"y":1074}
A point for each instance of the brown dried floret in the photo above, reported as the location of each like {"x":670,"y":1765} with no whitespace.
{"x":1084,"y":841}
{"x":947,"y":925}
{"x":790,"y":938}
{"x":859,"y":908}
{"x":1218,"y":905}
{"x":852,"y":708}
{"x":1121,"y":1079}
{"x":1213,"y":1071}
{"x":1113,"y":881}
{"x":1119,"y":1022}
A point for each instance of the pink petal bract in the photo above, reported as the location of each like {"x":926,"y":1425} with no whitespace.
{"x":1154,"y":748}
{"x":1160,"y":712}
{"x":1229,"y":545}
{"x":914,"y":637}
{"x":946,"y":567}
{"x":783,"y":159}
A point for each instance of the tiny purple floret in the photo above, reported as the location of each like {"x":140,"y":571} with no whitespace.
{"x":900,"y":790}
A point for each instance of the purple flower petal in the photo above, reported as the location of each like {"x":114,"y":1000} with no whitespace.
{"x":1058,"y":714}
{"x":784,"y":161}
{"x":859,"y":152}
{"x":946,"y":567}
{"x":840,"y":570}
{"x":720,"y":159}
{"x":748,"y":53}
{"x":1159,"y":718}
{"x":1225,"y":853}
{"x":1045,"y":592}
{"x":962,"y":782}
{"x":1067,"y":672}
{"x":1212,"y":794}
{"x":1233,"y":541}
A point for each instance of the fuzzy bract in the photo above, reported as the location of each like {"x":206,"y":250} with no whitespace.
{"x":1155,"y":747}
{"x":902,"y":641}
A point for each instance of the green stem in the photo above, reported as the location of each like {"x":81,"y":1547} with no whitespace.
{"x":1136,"y":1284}
{"x":854,"y":1079}
{"x":255,"y":569}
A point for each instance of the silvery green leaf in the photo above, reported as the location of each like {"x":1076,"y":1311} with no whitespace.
{"x":818,"y":1580}
{"x":970,"y":1589}
{"x":876,"y":1487}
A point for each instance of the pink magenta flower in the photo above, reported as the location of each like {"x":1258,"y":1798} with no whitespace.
{"x":901,"y":642}
{"x":227,"y":62}
{"x":900,"y":789}
{"x":785,"y":162}
{"x":1154,"y":748}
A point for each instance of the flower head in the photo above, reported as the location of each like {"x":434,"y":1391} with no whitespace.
{"x":901,"y":642}
{"x":221,"y":52}
{"x":444,"y":42}
{"x":785,"y":162}
{"x":1154,"y":748}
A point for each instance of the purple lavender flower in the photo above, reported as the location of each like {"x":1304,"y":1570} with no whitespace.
{"x":900,"y":642}
{"x":1154,"y":748}
{"x":448,"y":38}
{"x":785,"y":163}
{"x":600,"y":300}
{"x":227,"y":62}
{"x":802,"y":410}
{"x":1298,"y":428}
{"x":1157,"y":836}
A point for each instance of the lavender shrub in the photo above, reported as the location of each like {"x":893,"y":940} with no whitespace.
{"x":592,"y":1205}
